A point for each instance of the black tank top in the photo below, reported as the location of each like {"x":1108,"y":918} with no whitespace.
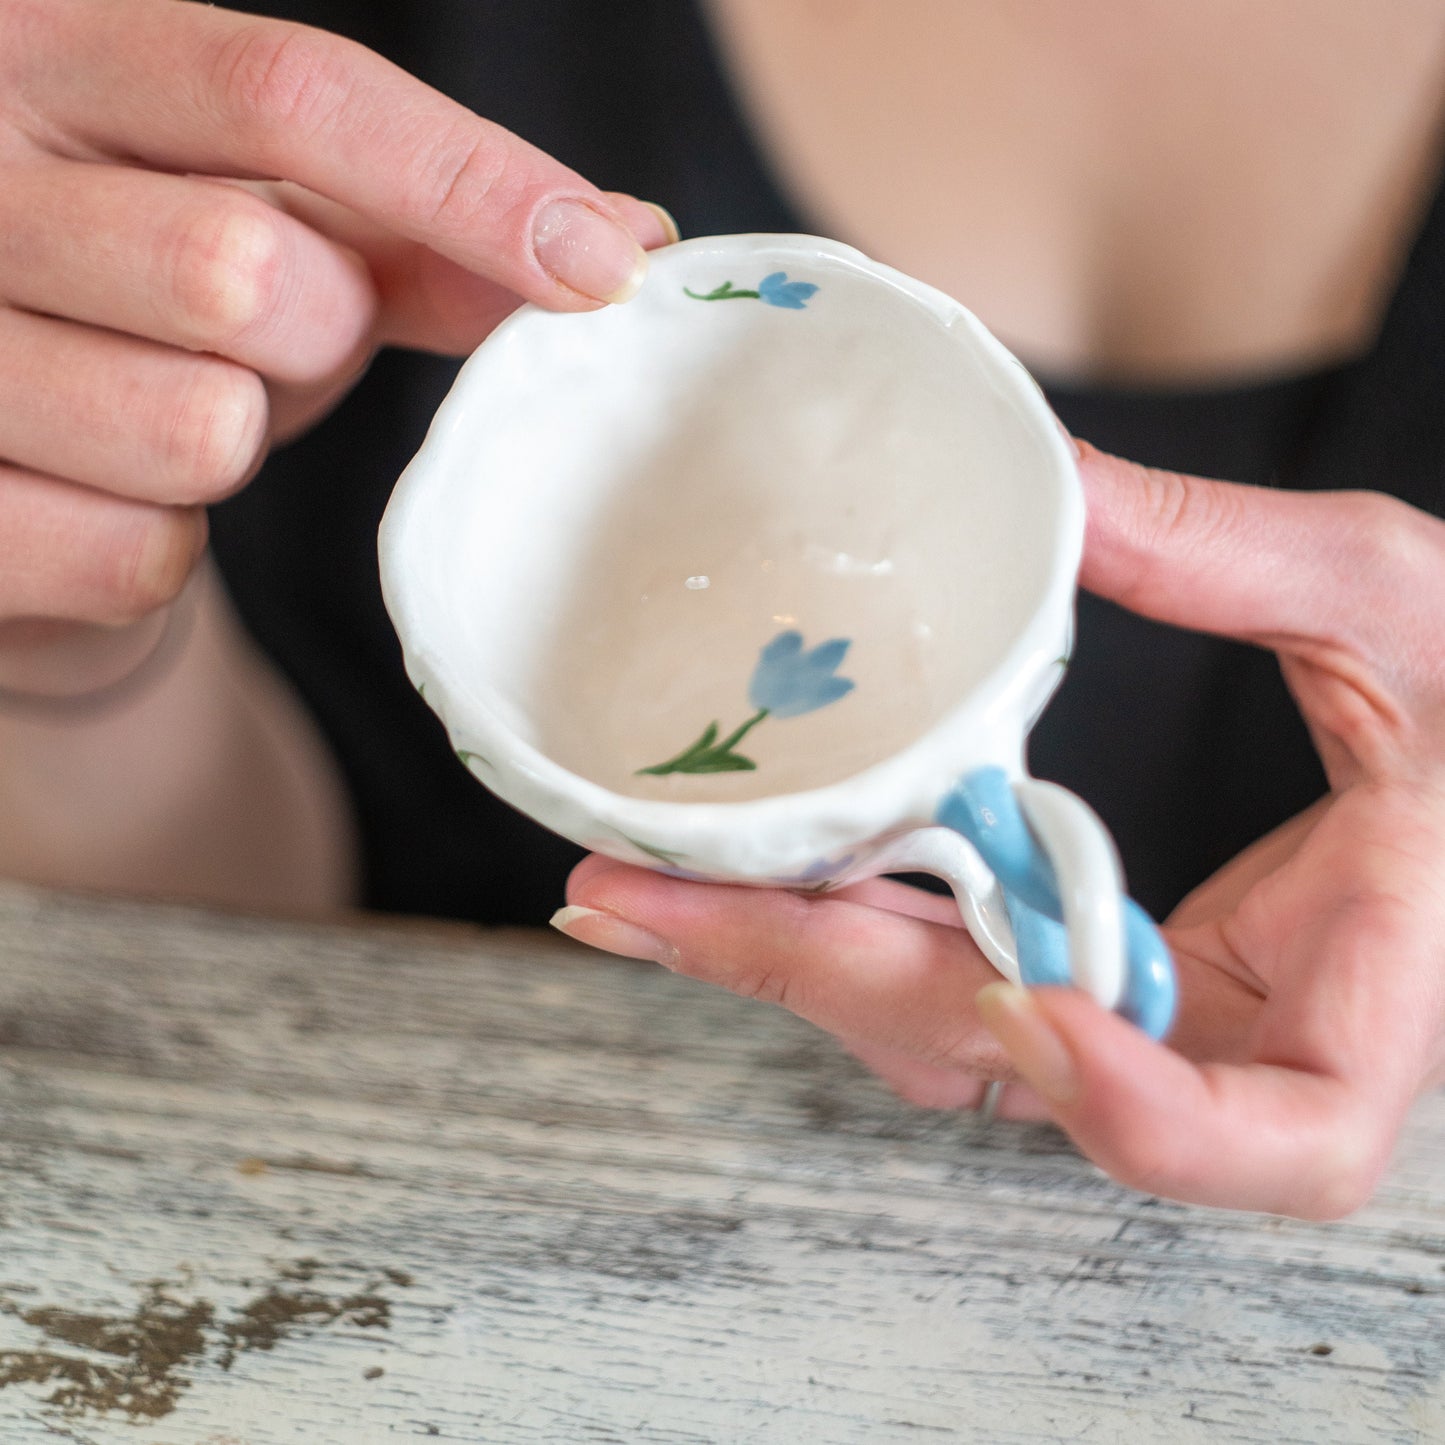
{"x":1189,"y":747}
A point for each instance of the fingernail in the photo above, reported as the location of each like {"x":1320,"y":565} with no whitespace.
{"x":1038,"y":1053}
{"x":669,"y":226}
{"x":613,"y":935}
{"x":587,"y":252}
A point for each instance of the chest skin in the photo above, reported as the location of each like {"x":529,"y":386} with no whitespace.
{"x":1125,"y":190}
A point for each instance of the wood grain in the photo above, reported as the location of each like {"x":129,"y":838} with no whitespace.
{"x":264,"y":1182}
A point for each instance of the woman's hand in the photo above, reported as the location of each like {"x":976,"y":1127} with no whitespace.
{"x":208,"y":223}
{"x":1311,"y":968}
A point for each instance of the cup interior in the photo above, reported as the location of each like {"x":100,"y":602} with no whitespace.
{"x":644,"y":523}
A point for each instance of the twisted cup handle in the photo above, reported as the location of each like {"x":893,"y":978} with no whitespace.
{"x":1059,"y":873}
{"x":1038,"y":882}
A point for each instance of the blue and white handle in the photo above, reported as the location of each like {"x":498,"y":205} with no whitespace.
{"x":1038,"y":882}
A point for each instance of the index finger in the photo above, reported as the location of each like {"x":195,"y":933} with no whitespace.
{"x":1278,"y":568}
{"x":193,"y":88}
{"x":854,"y":963}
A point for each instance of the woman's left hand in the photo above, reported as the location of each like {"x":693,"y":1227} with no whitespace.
{"x":1311,"y":967}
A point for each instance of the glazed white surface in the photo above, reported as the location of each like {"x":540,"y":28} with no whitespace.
{"x":881,"y":425}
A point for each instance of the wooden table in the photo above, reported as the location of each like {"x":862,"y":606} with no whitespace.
{"x":265,"y":1182}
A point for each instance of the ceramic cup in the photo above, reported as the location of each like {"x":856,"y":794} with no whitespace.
{"x":763,"y":578}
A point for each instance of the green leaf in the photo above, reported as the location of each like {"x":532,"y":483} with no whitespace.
{"x":721,"y":763}
{"x":707,"y":755}
{"x":683,"y":762}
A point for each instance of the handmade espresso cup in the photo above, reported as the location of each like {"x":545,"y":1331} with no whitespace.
{"x":763,"y":578}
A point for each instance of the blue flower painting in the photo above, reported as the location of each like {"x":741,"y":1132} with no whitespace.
{"x":777,"y":290}
{"x":788,"y":681}
{"x":773,"y":290}
{"x":819,"y":876}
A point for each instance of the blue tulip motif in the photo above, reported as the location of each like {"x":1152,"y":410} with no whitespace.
{"x":788,"y":681}
{"x":773,"y":290}
{"x":819,"y":876}
{"x":777,"y":290}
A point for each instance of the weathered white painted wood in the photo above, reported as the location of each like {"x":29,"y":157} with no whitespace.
{"x":264,"y":1183}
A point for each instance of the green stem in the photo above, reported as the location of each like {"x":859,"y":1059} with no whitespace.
{"x":733,"y":739}
{"x":707,"y":756}
{"x":724,"y":292}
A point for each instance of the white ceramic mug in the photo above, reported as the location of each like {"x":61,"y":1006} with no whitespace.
{"x":763,"y":578}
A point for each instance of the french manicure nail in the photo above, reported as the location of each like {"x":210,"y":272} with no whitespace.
{"x":1031,"y":1041}
{"x":665,"y":220}
{"x":588,"y":252}
{"x":613,"y":935}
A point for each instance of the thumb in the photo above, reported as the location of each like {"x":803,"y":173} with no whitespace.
{"x":1255,"y":1135}
{"x":1248,"y":562}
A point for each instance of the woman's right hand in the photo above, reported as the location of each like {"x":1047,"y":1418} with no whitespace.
{"x":208,"y":223}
